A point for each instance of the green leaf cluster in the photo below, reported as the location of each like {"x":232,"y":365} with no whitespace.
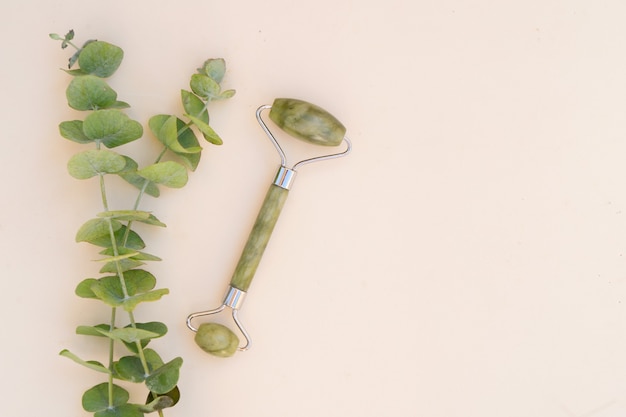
{"x":112,"y":400}
{"x":136,"y":286}
{"x":176,"y":134}
{"x":124,"y":284}
{"x":122,"y":245}
{"x":106,"y":125}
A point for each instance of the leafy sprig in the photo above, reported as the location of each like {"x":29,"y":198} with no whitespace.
{"x":124,"y":284}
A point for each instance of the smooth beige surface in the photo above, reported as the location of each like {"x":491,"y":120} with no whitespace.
{"x":467,"y":260}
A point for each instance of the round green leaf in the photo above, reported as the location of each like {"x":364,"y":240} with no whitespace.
{"x":109,"y":291}
{"x":124,"y":410}
{"x":188,"y":140}
{"x":139,"y":288}
{"x":130,"y":368}
{"x":123,"y":253}
{"x":164,"y":128}
{"x":169,"y":130}
{"x":118,"y":105}
{"x":88,"y":92}
{"x":160,"y":402}
{"x":109,"y":288}
{"x":168,"y":173}
{"x":139,"y":281}
{"x":83,"y":289}
{"x":111,"y":127}
{"x":99,"y":330}
{"x":129,"y":334}
{"x":214,"y":68}
{"x":132,"y":215}
{"x":204,"y":86}
{"x":129,"y":174}
{"x":156,"y":123}
{"x":194,"y":106}
{"x":97,"y":398}
{"x":124,"y":265}
{"x":130,"y":303}
{"x":227,"y":94}
{"x":73,"y":130}
{"x":153,"y":326}
{"x":165,"y":378}
{"x":100,"y":58}
{"x":207,"y":131}
{"x":123,"y":239}
{"x":153,"y":403}
{"x":95,"y":229}
{"x":153,"y":359}
{"x":93,"y":162}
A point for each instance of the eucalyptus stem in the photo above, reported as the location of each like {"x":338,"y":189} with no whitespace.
{"x":118,"y":267}
{"x":122,"y":280}
{"x":140,"y":195}
{"x":105,"y":205}
{"x":111,"y":357}
{"x":120,"y":274}
{"x":123,"y":285}
{"x":142,"y":191}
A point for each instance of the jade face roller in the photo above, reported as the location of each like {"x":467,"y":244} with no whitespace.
{"x":301,"y":120}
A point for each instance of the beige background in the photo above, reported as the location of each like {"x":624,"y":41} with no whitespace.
{"x":467,"y":260}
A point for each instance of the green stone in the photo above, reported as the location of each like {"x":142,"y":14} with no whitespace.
{"x":307,"y":121}
{"x":216,"y":339}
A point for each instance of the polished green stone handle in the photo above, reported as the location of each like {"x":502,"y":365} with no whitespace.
{"x":258,"y":238}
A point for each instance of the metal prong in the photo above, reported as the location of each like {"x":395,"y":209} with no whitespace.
{"x":202,"y":313}
{"x":281,"y":153}
{"x":233,"y":299}
{"x":243,"y":332}
{"x":327,"y":157}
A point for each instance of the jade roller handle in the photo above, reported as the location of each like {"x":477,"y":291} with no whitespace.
{"x":260,"y":233}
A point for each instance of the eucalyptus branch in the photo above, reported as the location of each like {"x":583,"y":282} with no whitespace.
{"x":124,"y":283}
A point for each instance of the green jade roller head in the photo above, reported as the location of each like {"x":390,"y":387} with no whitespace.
{"x":307,"y":121}
{"x":301,"y":120}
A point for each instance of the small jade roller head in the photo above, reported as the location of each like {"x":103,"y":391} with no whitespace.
{"x":307,"y":121}
{"x":216,"y":339}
